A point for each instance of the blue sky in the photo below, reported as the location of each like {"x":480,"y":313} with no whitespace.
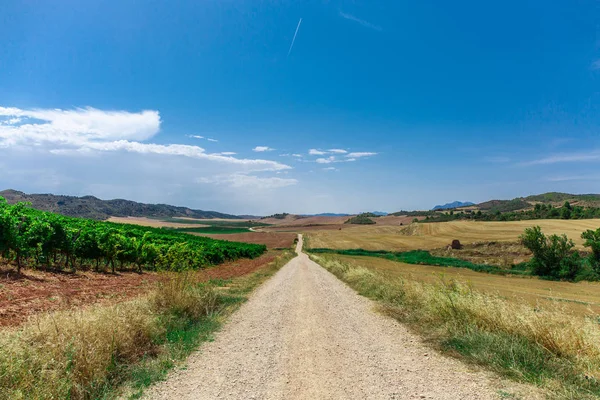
{"x":421,"y":102}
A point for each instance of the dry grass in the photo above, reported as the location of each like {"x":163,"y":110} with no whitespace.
{"x":74,"y":354}
{"x":581,"y":298}
{"x":548,"y":347}
{"x":89,"y":353}
{"x":428,"y":236}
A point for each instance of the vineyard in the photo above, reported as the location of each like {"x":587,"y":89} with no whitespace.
{"x":37,"y":239}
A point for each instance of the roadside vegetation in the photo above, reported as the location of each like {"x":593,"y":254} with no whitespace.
{"x":550,"y":347}
{"x":44,"y":240}
{"x":118,"y":350}
{"x":554,"y":256}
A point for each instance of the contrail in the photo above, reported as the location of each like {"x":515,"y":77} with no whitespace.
{"x":294,"y":39}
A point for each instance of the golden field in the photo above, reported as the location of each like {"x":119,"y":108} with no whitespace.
{"x":582,"y":298}
{"x":426,"y":236}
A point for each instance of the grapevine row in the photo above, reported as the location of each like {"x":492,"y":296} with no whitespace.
{"x":38,"y":239}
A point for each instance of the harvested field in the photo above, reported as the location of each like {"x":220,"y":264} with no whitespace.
{"x":304,"y":228}
{"x":273,"y":240}
{"x":392,"y":220}
{"x":155,"y":223}
{"x":429,"y":236}
{"x":503,"y":254}
{"x":35,"y":292}
{"x":582,"y":298}
{"x":304,"y":221}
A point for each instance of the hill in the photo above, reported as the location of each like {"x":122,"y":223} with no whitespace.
{"x":557,"y":197}
{"x":95,"y":208}
{"x":454,"y":204}
{"x":552,"y":198}
{"x":504,"y":205}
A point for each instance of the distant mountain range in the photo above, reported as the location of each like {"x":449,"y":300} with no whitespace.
{"x":454,"y":204}
{"x":94,"y":208}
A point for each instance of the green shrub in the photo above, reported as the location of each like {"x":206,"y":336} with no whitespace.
{"x":592,"y":240}
{"x":360,"y":219}
{"x":553,"y":255}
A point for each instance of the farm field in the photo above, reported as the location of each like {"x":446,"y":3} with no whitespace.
{"x":273,"y":240}
{"x":192,"y":225}
{"x":582,"y":298}
{"x":156,"y":223}
{"x":428,"y":236}
{"x":321,"y":222}
{"x":37,"y":292}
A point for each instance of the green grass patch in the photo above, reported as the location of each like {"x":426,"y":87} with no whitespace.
{"x":422,"y":257}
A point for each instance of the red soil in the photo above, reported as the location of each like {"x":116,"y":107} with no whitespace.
{"x":35,"y":292}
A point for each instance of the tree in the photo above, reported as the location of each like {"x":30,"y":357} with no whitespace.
{"x":592,"y":240}
{"x":553,"y":256}
{"x":565,"y":212}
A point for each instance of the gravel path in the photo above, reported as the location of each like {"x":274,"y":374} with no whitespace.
{"x":305,"y":335}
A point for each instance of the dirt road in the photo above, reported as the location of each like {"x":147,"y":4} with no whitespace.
{"x":306,"y":335}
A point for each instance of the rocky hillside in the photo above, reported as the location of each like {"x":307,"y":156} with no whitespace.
{"x":94,"y":208}
{"x":554,"y":198}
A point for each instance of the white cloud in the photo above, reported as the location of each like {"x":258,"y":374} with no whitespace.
{"x":360,"y":154}
{"x":202,"y":137}
{"x":78,"y":141}
{"x":327,"y":160}
{"x":364,"y":23}
{"x":565,"y":158}
{"x":87,"y":123}
{"x":315,"y":152}
{"x":10,"y":121}
{"x":227,"y":153}
{"x":243,"y":180}
{"x":573,"y":178}
{"x":260,"y":149}
{"x":330,"y":169}
{"x":337,"y":151}
{"x":297,"y":155}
